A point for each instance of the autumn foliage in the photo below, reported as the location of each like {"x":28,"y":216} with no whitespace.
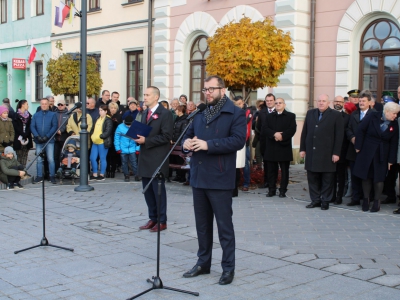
{"x":251,"y":55}
{"x":63,"y":76}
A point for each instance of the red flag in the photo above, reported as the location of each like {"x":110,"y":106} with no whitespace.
{"x":64,"y":11}
{"x":32,"y":54}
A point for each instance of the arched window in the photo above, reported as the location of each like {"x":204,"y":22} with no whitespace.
{"x":380,"y":58}
{"x":198,"y":55}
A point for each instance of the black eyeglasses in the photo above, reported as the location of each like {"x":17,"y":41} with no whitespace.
{"x":211,"y":89}
{"x":60,"y":104}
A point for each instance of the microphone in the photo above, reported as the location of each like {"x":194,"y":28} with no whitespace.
{"x":77,"y":105}
{"x":200,"y":108}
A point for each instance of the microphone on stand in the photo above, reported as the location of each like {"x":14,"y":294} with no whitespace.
{"x":200,"y":108}
{"x":77,"y":105}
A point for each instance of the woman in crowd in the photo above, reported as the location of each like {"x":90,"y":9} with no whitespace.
{"x":22,"y":127}
{"x":11,"y":170}
{"x":6,"y":129}
{"x":101,"y":137}
{"x":112,"y":158}
{"x":179,"y":125}
{"x":377,"y":145}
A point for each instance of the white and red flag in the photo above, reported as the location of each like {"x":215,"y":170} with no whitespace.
{"x":32,"y":54}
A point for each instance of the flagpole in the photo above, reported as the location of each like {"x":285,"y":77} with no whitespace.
{"x":84,"y":135}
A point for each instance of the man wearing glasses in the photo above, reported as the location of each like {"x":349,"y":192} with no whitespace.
{"x":215,"y":136}
{"x":276,"y":145}
{"x":61,"y":135}
{"x":105,"y":98}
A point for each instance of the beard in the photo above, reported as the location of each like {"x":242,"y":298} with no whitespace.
{"x":214,"y":101}
{"x":338,"y":107}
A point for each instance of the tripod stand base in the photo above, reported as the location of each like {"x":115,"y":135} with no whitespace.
{"x":157,"y":284}
{"x":44,"y":242}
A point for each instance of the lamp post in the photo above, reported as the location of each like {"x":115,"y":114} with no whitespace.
{"x":84,"y":134}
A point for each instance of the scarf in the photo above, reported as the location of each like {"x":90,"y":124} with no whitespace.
{"x":210,"y":112}
{"x":24,"y":116}
{"x":385,"y":123}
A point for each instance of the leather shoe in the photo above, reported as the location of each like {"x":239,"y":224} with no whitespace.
{"x":282,"y":195}
{"x":155,"y":228}
{"x":270,"y":194}
{"x":196,"y":271}
{"x":353,"y":203}
{"x":325,"y":206}
{"x":314,"y":204}
{"x":226,"y":277}
{"x":150,"y":224}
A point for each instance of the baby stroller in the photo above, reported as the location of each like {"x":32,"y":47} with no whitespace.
{"x":69,"y":159}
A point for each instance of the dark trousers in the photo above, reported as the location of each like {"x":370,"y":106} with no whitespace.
{"x":356,"y":185}
{"x":151,"y":197}
{"x":273,"y":168}
{"x":340,"y":180}
{"x":265,"y":171}
{"x":208,"y":203}
{"x":390,"y":182}
{"x":320,"y":185}
{"x":58,"y":145}
{"x":112,"y":160}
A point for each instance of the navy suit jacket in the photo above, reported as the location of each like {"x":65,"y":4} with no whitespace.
{"x":225,"y":135}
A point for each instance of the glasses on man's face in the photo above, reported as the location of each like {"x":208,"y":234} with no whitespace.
{"x":211,"y":89}
{"x":60,"y":104}
{"x":278,"y":103}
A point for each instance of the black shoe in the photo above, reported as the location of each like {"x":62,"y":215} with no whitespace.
{"x":38,"y":179}
{"x":353,"y":203}
{"x":196,"y":271}
{"x":127,"y":178}
{"x":389,"y":201}
{"x":137,"y":178}
{"x":365,"y":204}
{"x":338,"y":201}
{"x":314,"y":204}
{"x":226,"y":277}
{"x":10,"y":186}
{"x":375,"y":207}
{"x":93,"y":177}
{"x":18,"y":185}
{"x":53,"y":180}
{"x":270,"y":194}
{"x":282,"y":195}
{"x":325,"y":206}
{"x":100,"y":178}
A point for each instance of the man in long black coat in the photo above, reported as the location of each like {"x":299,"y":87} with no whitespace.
{"x":153,"y":149}
{"x":276,"y":144}
{"x":320,"y":145}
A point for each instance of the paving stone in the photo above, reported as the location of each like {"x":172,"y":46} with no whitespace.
{"x":300,"y":258}
{"x":388,"y":280}
{"x":365,"y":274}
{"x":342,"y":268}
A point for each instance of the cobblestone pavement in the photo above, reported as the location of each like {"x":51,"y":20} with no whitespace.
{"x":284,"y":251}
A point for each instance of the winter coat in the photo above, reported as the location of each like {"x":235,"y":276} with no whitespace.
{"x":273,"y":123}
{"x":44,"y":124}
{"x":19,"y":131}
{"x":61,"y":117}
{"x":180,"y":124}
{"x":7,"y":134}
{"x":5,"y":165}
{"x":321,"y":139}
{"x":106,"y":132}
{"x":126,"y":145}
{"x":377,"y":148}
{"x":132,"y":113}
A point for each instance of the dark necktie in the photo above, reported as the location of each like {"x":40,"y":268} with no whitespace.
{"x":148,"y":115}
{"x":320,"y":116}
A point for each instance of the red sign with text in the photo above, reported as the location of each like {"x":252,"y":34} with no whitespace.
{"x":19,"y":63}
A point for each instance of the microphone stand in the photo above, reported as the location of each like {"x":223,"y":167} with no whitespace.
{"x":157,"y":283}
{"x":44,"y":241}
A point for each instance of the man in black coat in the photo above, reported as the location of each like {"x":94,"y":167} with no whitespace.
{"x":153,"y":149}
{"x":341,"y":167}
{"x":320,"y":145}
{"x":262,"y":115}
{"x":276,"y":144}
{"x":351,"y":130}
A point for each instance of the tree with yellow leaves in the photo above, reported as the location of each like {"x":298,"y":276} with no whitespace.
{"x":249,"y":55}
{"x":63,"y":76}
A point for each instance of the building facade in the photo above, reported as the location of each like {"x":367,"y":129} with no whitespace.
{"x":23,"y":23}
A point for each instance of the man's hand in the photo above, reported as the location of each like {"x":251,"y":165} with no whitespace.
{"x":335,"y":158}
{"x":188,"y":144}
{"x":303,"y":154}
{"x":198,"y":145}
{"x":141,"y":139}
{"x":389,"y":166}
{"x":278,"y":136}
{"x":353,"y":140}
{"x":59,"y":132}
{"x":357,"y":150}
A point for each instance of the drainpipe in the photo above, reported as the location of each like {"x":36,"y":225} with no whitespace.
{"x":312,"y":56}
{"x":149,"y":37}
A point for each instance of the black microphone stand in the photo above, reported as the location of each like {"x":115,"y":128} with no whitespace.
{"x":157,"y":283}
{"x":44,"y":241}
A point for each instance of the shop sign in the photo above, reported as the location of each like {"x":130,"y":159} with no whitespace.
{"x":19,"y":63}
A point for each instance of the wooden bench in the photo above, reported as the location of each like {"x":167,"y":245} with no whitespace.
{"x":177,"y":152}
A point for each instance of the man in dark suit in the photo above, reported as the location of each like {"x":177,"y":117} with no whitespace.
{"x":276,"y":144}
{"x":320,"y":145}
{"x":153,"y":149}
{"x":267,"y":109}
{"x":341,"y":167}
{"x":215,"y":136}
{"x":355,"y":119}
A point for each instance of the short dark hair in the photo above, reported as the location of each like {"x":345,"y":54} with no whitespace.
{"x":105,"y":108}
{"x":181,"y":108}
{"x":270,"y":95}
{"x":155,"y":90}
{"x":221,"y":82}
{"x":237,"y":98}
{"x":365,"y":94}
{"x":114,"y":93}
{"x":102,"y":93}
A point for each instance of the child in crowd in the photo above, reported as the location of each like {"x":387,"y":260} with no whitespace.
{"x":69,"y":158}
{"x":11,"y":170}
{"x":127,"y":148}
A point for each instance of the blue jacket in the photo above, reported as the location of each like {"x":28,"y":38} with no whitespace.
{"x":225,"y":135}
{"x":132,"y":113}
{"x":126,"y":145}
{"x":44,"y":123}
